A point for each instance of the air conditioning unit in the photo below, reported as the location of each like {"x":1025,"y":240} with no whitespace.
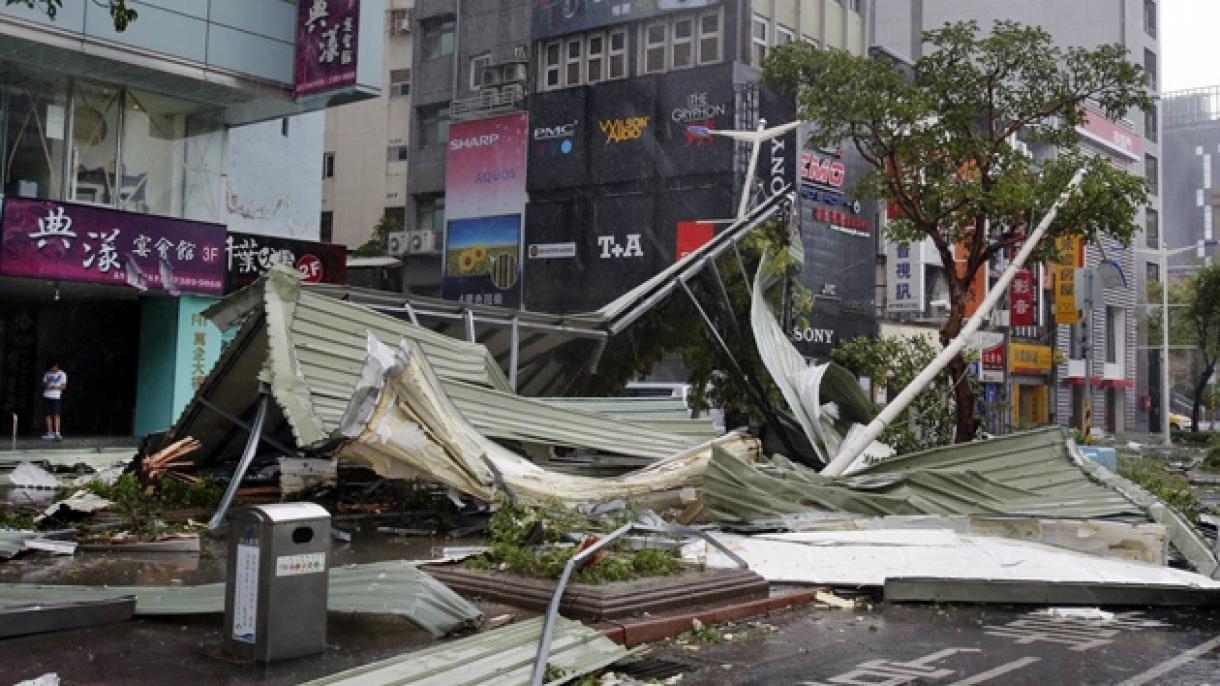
{"x":521,"y":53}
{"x":400,"y":21}
{"x":513,"y":72}
{"x":490,"y":76}
{"x":396,"y":243}
{"x":422,"y":242}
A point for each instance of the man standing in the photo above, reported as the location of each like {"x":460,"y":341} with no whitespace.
{"x":53,"y":384}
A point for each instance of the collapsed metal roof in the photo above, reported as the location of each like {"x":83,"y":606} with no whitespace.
{"x":503,"y":657}
{"x":1032,"y":473}
{"x":310,"y":349}
{"x":394,"y":587}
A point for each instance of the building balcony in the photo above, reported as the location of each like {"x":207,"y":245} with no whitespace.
{"x":489,"y":102}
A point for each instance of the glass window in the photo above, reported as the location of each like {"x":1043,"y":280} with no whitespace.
{"x":33,"y":125}
{"x":618,"y":54}
{"x":709,"y":38}
{"x":760,"y":39}
{"x":154,"y":151}
{"x":328,"y":165}
{"x":203,"y":192}
{"x":396,"y":153}
{"x":434,"y":125}
{"x":1150,"y":124}
{"x":682,"y":51}
{"x":1154,"y":272}
{"x":783,"y":35}
{"x":654,"y":47}
{"x":477,"y":65}
{"x":1114,"y":332}
{"x":1152,"y":174}
{"x":1150,"y":68}
{"x":1150,"y":17}
{"x":326,"y":227}
{"x":573,"y":62}
{"x":430,"y":213}
{"x":95,"y":143}
{"x":400,"y":82}
{"x":1075,"y":342}
{"x":595,"y":65}
{"x":551,"y":65}
{"x":1152,"y":228}
{"x":438,"y":37}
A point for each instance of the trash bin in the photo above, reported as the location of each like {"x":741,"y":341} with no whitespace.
{"x":275,"y":591}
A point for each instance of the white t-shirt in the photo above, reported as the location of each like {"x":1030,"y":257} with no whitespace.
{"x":53,"y":383}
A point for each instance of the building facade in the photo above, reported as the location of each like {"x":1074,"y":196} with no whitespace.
{"x":147,"y":172}
{"x":554,"y":162}
{"x":1115,"y":362}
{"x":366,"y":148}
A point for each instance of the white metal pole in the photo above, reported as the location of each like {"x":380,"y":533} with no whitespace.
{"x":748,"y":187}
{"x":1165,"y":342}
{"x":856,"y":445}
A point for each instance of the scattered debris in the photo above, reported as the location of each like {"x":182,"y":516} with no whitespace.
{"x":502,"y":657}
{"x":29,"y":475}
{"x":833,"y":601}
{"x":298,"y":474}
{"x":1085,"y":613}
{"x":21,"y":620}
{"x":81,"y":502}
{"x":162,"y":463}
{"x":48,"y":679}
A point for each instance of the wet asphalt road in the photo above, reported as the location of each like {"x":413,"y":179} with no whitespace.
{"x":899,"y":645}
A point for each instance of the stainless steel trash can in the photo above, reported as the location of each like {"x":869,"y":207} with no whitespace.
{"x":275,"y":590}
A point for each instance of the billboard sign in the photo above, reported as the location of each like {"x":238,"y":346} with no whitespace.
{"x":249,"y":256}
{"x":484,"y":203}
{"x":558,"y":17}
{"x":327,"y":35}
{"x":1022,"y":302}
{"x":905,"y":283}
{"x":57,"y":240}
{"x":1117,"y":139}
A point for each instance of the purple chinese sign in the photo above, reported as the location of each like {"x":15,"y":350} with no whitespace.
{"x":327,"y":31}
{"x":57,"y":240}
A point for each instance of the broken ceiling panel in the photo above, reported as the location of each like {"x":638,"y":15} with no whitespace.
{"x":502,"y":657}
{"x":880,"y":557}
{"x":403,"y":424}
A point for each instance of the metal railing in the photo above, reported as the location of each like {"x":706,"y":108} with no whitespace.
{"x":489,"y":101}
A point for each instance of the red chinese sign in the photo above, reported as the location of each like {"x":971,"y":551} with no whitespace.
{"x":1021,"y":299}
{"x":993,"y":358}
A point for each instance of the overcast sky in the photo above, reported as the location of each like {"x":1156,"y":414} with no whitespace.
{"x":1189,"y":44}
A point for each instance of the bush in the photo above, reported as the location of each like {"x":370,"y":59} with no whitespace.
{"x":1211,"y":463}
{"x":1173,"y":489}
{"x":1193,"y":438}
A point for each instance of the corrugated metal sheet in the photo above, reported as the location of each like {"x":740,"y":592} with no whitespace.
{"x":668,"y":415}
{"x":503,"y":657}
{"x":395,"y":587}
{"x":12,"y":541}
{"x":1029,"y":473}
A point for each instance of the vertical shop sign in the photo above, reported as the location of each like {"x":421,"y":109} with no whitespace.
{"x":905,"y":285}
{"x":1069,"y":250}
{"x":484,"y":202}
{"x":327,"y":35}
{"x":977,"y":289}
{"x":1021,"y":299}
{"x":69,"y":242}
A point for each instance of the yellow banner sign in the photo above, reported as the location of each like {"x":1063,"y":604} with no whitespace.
{"x":1065,"y":294}
{"x":1030,"y":358}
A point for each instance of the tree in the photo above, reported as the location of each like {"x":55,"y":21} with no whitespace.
{"x":1202,"y":320}
{"x":378,"y":244}
{"x":119,"y":11}
{"x":891,"y":363}
{"x":939,"y":144}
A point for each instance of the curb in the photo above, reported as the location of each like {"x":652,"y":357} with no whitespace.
{"x":633,"y":633}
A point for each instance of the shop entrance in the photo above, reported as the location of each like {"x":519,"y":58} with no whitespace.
{"x":95,"y":333}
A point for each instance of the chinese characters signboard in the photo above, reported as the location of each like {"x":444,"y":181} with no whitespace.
{"x":327,"y":34}
{"x":1027,"y":358}
{"x":56,"y":240}
{"x":1070,"y":251}
{"x":905,"y":282}
{"x":1021,"y":299}
{"x":1115,"y":138}
{"x":248,"y":256}
{"x":484,"y":202}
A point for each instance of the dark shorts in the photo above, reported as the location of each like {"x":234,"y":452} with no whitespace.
{"x":51,"y":405}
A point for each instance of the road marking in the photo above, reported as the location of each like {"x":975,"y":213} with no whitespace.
{"x":996,"y":671}
{"x":1172,"y":664}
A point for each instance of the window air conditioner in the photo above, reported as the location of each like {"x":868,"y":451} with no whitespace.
{"x":421,"y":242}
{"x":396,"y":243}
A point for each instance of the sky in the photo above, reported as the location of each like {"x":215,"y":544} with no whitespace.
{"x":1189,"y":36}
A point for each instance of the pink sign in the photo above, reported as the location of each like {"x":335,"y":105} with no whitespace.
{"x":485,"y":167}
{"x":58,"y":240}
{"x":1119,"y":139}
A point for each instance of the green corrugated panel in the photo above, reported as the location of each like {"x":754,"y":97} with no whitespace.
{"x":643,"y":407}
{"x":393,"y":587}
{"x":503,"y":657}
{"x":510,"y":417}
{"x":1029,"y":473}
